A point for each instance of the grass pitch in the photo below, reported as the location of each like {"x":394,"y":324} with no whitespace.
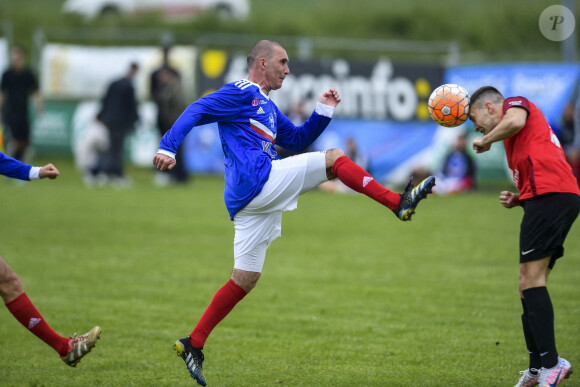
{"x":349,"y":295}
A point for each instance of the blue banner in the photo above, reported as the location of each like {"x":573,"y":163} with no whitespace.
{"x":548,"y":85}
{"x":384,"y":145}
{"x":390,"y":149}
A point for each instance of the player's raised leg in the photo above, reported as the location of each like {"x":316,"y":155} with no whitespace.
{"x":71,"y":350}
{"x":353,"y":176}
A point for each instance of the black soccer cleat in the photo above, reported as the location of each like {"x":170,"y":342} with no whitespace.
{"x":193,"y":358}
{"x":412,"y":196}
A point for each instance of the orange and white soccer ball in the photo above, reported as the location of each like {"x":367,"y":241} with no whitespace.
{"x":449,"y":105}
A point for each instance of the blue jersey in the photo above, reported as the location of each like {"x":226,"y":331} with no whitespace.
{"x":13,"y":168}
{"x":249,"y":125}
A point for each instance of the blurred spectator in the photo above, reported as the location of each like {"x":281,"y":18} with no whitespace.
{"x":90,"y":150}
{"x":355,"y":155}
{"x":167,"y":93}
{"x":17,"y":85}
{"x":119,"y":114}
{"x":297,"y":115}
{"x":570,"y":132}
{"x":457,"y":173}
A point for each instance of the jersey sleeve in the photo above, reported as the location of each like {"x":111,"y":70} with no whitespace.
{"x":297,"y":138}
{"x":221,"y":105}
{"x":14,"y":168}
{"x":519,"y":102}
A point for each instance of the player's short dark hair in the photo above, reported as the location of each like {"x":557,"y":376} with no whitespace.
{"x":483,"y":94}
{"x":262,"y":49}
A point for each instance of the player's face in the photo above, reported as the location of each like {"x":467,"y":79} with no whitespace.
{"x":277,"y":68}
{"x":483,"y":120}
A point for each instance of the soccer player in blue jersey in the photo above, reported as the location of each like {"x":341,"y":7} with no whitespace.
{"x":259,"y":185}
{"x":71,"y":349}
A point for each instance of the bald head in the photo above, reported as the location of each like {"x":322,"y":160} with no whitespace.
{"x":262,"y":49}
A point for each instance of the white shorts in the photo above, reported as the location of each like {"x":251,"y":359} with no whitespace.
{"x":260,"y":222}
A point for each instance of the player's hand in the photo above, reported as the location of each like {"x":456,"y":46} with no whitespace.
{"x":479,"y":146}
{"x":509,"y":199}
{"x":163,"y":162}
{"x":330,"y":98}
{"x":49,"y":171}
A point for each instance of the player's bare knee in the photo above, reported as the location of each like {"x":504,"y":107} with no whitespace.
{"x":246,"y":280}
{"x":10,"y":284}
{"x":331,"y":156}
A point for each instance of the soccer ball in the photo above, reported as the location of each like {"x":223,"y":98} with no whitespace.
{"x":449,"y":105}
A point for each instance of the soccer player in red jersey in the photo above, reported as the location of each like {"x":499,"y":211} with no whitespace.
{"x":549,"y":195}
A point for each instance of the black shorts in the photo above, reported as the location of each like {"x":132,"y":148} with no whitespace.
{"x":547,"y":220}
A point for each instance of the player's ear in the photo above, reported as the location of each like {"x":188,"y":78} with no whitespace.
{"x":489,"y":107}
{"x":262,"y":63}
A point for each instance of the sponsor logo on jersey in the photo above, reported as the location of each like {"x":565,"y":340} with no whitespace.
{"x":255,"y":102}
{"x":260,"y":110}
{"x":262,"y":102}
{"x":518,"y":102}
{"x":269,"y":148}
{"x":516,"y":177}
{"x":272,"y":121}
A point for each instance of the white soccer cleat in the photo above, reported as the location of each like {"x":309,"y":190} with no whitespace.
{"x":79,"y":346}
{"x":528,"y":379}
{"x":552,"y":377}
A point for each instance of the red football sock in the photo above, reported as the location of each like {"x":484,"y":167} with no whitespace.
{"x":27,"y":314}
{"x":222,"y":303}
{"x":361,"y":181}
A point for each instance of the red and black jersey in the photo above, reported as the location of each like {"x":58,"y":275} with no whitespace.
{"x":535,"y":156}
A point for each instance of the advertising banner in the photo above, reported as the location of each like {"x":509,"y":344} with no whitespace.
{"x":548,"y":85}
{"x":370,"y":90}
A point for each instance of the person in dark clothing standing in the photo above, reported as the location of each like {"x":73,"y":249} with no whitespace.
{"x":17,"y":85}
{"x":167,"y":93}
{"x":119,"y":114}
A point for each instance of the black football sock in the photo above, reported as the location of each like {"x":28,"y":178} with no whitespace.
{"x":541,"y":322}
{"x":535,"y":359}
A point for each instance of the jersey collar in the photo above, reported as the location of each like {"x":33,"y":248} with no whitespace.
{"x":259,"y":88}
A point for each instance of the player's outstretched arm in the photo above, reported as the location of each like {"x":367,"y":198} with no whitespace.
{"x":163,"y":162}
{"x":511,"y":123}
{"x":330,"y":98}
{"x":49,"y":171}
{"x":509,"y":199}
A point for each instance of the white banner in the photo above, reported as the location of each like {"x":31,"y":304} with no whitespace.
{"x":82,"y":72}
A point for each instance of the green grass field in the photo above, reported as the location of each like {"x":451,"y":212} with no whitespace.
{"x":349,"y":295}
